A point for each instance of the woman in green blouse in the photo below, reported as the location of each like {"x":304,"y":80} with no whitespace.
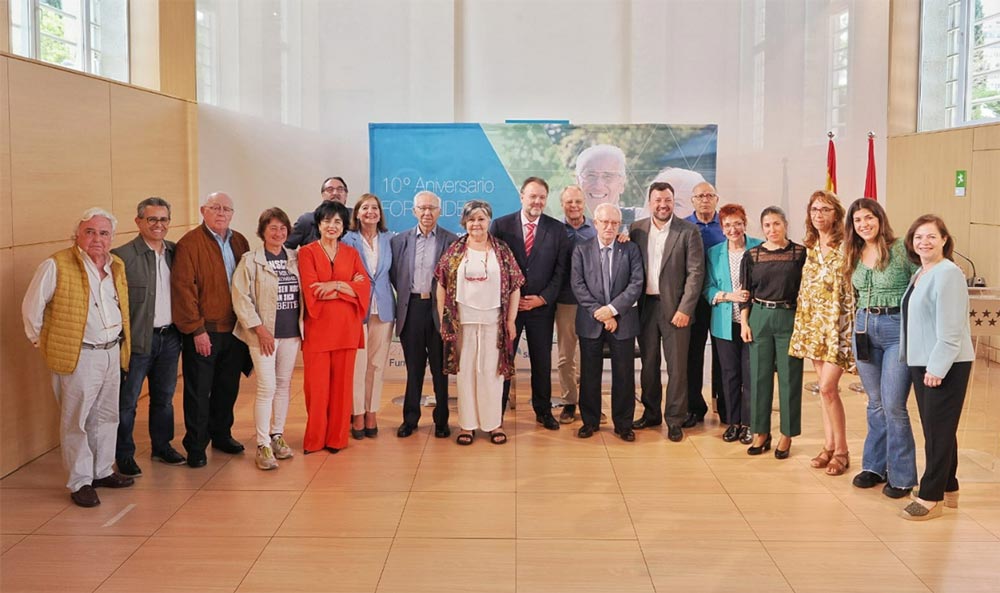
{"x":879,"y":270}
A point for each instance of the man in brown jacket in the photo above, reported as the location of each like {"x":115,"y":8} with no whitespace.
{"x":202,"y":308}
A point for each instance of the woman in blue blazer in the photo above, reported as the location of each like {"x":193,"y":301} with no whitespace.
{"x":370,"y":236}
{"x":722,"y":289}
{"x":937,"y":346}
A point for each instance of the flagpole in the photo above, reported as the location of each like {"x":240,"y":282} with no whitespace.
{"x":831,"y":186}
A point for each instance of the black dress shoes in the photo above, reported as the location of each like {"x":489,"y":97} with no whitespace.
{"x":405,"y":430}
{"x":115,"y":480}
{"x":645,"y":423}
{"x":442,"y":432}
{"x":867,"y":479}
{"x":692,"y":419}
{"x":626,"y":434}
{"x":765,"y":446}
{"x":196,"y":460}
{"x":228,"y":445}
{"x":732,"y":433}
{"x":128,"y":467}
{"x":674,"y":433}
{"x":746,"y":437}
{"x":893,"y":492}
{"x":548,"y":421}
{"x":85,"y":497}
{"x":169,"y":456}
{"x":371,"y":432}
{"x":586,"y":431}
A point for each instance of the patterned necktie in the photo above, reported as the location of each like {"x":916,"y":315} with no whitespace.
{"x":529,"y":238}
{"x":606,"y":272}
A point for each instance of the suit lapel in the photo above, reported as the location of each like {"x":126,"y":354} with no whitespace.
{"x":668,"y":245}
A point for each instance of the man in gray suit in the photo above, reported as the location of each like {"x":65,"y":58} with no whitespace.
{"x":607,"y":279}
{"x":414,"y":254}
{"x":675,"y":270}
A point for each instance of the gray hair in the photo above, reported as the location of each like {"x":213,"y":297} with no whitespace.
{"x":151,"y":201}
{"x":568,"y":189}
{"x":607,"y":206}
{"x":589,"y":154}
{"x":436,"y":197}
{"x":90,"y":213}
{"x":470,"y":208}
{"x":209,"y":197}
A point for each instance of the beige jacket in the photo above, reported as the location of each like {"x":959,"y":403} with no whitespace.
{"x":255,"y":294}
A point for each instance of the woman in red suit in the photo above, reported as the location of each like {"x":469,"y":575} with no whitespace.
{"x":336,"y":291}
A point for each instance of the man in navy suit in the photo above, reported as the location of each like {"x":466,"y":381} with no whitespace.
{"x":607,"y":279}
{"x":305,"y":231}
{"x":415,"y":253}
{"x":542,"y":248}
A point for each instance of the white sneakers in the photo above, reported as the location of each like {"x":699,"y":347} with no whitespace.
{"x":280,"y":447}
{"x":267,"y":456}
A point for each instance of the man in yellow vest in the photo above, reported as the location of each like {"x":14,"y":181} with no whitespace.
{"x":76,"y":313}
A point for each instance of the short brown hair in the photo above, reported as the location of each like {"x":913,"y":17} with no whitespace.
{"x":271,"y":214}
{"x":537,"y":180}
{"x":356,"y":214}
{"x":949,"y":242}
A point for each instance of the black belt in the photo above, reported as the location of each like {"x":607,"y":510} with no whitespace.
{"x":655,"y":297}
{"x":163,"y":330}
{"x":881,"y":310}
{"x":775,"y":304}
{"x":104,"y":346}
{"x":423,"y":296}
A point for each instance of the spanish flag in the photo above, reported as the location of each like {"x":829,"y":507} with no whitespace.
{"x":831,"y":166}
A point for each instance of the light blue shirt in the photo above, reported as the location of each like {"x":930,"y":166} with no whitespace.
{"x":227,"y":252}
{"x":423,"y":261}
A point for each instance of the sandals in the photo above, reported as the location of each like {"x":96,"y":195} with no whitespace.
{"x":838,"y":464}
{"x":466,"y":438}
{"x":498,"y":437}
{"x":823,"y":459}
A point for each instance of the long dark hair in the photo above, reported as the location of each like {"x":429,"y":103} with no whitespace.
{"x":854,"y":244}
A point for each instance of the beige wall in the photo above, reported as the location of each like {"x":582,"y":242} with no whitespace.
{"x":69,"y":141}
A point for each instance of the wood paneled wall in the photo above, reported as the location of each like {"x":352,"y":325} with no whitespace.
{"x":69,"y":141}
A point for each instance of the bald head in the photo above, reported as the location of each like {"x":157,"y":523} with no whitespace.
{"x":217,"y":211}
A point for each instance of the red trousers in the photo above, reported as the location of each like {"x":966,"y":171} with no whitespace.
{"x":329,"y":381}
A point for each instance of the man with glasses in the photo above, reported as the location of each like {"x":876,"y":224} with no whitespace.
{"x":414,"y":254}
{"x":202,"y":308}
{"x":607,"y":279}
{"x":600,"y":172}
{"x":705,"y":201}
{"x":156,"y":343}
{"x":305,"y":231}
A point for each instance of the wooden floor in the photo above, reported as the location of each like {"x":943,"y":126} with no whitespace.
{"x":547,"y":512}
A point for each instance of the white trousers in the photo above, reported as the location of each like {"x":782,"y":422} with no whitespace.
{"x":369,"y":365}
{"x":569,"y":352}
{"x":274,"y":379}
{"x":480,"y":386}
{"x":88,"y":419}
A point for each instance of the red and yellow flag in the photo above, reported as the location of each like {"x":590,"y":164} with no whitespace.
{"x":831,"y":166}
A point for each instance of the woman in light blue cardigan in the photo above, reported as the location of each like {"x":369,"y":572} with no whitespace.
{"x":722,"y":290}
{"x":370,"y":236}
{"x":937,"y":347}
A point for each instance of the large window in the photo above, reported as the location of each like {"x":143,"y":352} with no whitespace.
{"x":86,"y":35}
{"x":959,"y":63}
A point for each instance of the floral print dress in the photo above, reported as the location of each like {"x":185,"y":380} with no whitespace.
{"x":823,"y":317}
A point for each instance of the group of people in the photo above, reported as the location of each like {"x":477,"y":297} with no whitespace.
{"x":336,"y":284}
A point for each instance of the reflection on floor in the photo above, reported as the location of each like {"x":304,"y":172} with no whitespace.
{"x":546,"y":512}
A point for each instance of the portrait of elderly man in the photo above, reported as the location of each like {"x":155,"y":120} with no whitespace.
{"x":601,"y":174}
{"x":76,"y":312}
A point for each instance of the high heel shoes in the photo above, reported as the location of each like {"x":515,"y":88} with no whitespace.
{"x":765,"y":446}
{"x":783,"y":453}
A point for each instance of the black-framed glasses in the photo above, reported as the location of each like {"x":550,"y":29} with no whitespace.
{"x":151,"y":220}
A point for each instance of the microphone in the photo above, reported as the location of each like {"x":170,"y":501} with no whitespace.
{"x":974,"y":280}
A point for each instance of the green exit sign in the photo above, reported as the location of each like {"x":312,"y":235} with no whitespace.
{"x":961,"y":180}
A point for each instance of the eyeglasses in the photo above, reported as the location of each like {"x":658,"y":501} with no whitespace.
{"x":734,"y":225}
{"x":701,"y":197}
{"x":426,"y":208}
{"x":602,"y":176}
{"x":220,"y":209}
{"x":334,"y":190}
{"x":475,"y":270}
{"x":821,"y":210}
{"x":607,"y":222}
{"x":151,"y":220}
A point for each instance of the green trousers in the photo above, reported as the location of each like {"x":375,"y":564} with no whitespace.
{"x":772,"y":331}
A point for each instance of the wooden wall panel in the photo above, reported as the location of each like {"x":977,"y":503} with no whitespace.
{"x":5,"y":26}
{"x":6,"y":226}
{"x":904,"y":65}
{"x":60,"y":141}
{"x":987,"y":137}
{"x":984,"y":187}
{"x":178,"y":76}
{"x":149,"y":151}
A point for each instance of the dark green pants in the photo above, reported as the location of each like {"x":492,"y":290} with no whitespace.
{"x":772,"y":331}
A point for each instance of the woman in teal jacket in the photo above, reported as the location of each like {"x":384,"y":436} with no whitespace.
{"x":722,"y":290}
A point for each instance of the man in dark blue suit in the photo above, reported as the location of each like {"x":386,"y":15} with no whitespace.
{"x":607,"y":279}
{"x":542,"y":249}
{"x":414,"y":254}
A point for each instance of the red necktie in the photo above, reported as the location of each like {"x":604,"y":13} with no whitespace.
{"x":529,"y":239}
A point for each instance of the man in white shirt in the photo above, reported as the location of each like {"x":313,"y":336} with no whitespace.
{"x":76,"y":312}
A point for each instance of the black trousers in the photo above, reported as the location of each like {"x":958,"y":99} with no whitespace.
{"x":696,"y":362}
{"x":211,"y":384}
{"x":538,"y":324}
{"x":734,"y":358}
{"x":940,"y":410}
{"x":622,"y":379}
{"x":421,"y":343}
{"x":657,"y":332}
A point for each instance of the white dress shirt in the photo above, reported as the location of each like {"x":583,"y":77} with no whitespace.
{"x":657,"y":241}
{"x":162,"y":316}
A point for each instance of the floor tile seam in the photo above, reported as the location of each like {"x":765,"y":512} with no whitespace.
{"x":624,"y":501}
{"x":123,"y":562}
{"x":774,"y":562}
{"x":739,"y":510}
{"x":271,"y":537}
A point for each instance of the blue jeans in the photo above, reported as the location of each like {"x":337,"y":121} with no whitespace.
{"x":160,"y":365}
{"x":889,"y":445}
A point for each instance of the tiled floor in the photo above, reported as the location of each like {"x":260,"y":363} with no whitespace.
{"x":547,"y":512}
